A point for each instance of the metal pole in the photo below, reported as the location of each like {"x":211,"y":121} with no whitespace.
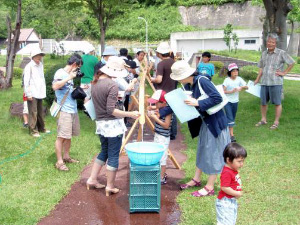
{"x":141,"y":18}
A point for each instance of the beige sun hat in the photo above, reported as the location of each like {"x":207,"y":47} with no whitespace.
{"x":36,"y":51}
{"x":181,"y":70}
{"x":163,"y":48}
{"x":115,"y":67}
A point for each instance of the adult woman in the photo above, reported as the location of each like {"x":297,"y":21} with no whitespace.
{"x":213,"y":134}
{"x":109,"y":125}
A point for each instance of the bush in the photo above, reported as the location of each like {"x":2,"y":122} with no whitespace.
{"x":18,"y":72}
{"x":49,"y":75}
{"x":248,"y":72}
{"x":298,"y":60}
{"x":218,"y":64}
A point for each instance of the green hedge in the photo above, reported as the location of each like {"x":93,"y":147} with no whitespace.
{"x":298,"y":60}
{"x":248,"y":72}
{"x":18,"y":72}
{"x":218,"y":64}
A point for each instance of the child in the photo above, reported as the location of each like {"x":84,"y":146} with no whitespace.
{"x":204,"y":67}
{"x":232,"y":85}
{"x":162,"y":128}
{"x":25,"y":111}
{"x":231,"y":185}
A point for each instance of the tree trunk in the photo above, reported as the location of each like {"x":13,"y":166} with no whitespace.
{"x":294,"y":41}
{"x":265,"y":34}
{"x":102,"y":38}
{"x":6,"y":82}
{"x":277,"y":11}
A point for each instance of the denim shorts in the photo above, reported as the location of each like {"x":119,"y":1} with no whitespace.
{"x":226,"y":211}
{"x":230,"y":110}
{"x":110,"y":150}
{"x":271,"y":93}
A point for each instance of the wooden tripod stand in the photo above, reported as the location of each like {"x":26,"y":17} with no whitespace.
{"x":143,"y":116}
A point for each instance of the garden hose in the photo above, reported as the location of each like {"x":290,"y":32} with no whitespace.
{"x":25,"y":153}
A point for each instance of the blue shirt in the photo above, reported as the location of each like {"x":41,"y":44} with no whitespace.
{"x":70,"y":104}
{"x":206,"y":69}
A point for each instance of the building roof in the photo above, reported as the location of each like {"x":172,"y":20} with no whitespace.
{"x":25,"y":34}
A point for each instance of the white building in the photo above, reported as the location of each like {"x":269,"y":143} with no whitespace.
{"x":195,"y":41}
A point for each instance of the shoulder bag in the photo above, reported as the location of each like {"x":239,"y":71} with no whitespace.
{"x":217,"y":107}
{"x":55,"y":107}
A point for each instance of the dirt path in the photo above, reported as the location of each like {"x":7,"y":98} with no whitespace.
{"x":92,"y":207}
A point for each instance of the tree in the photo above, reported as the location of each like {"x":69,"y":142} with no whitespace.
{"x":276,"y":16}
{"x":236,"y":40}
{"x":12,"y":44}
{"x":227,"y":35}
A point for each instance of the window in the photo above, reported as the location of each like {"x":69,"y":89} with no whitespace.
{"x":250,"y":42}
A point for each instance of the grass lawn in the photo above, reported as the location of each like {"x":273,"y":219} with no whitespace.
{"x":253,"y":56}
{"x":270,"y":175}
{"x":30,"y":185}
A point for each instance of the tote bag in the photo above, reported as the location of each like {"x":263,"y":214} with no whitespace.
{"x":54,"y":109}
{"x":217,"y":107}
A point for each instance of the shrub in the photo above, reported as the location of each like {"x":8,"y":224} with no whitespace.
{"x":248,"y":72}
{"x":218,"y":64}
{"x":49,"y":75}
{"x":18,"y":72}
{"x":298,"y":60}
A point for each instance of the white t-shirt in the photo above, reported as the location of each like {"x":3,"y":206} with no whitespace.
{"x":230,"y":85}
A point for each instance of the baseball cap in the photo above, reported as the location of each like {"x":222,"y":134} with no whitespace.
{"x":232,"y":66}
{"x":158,"y":96}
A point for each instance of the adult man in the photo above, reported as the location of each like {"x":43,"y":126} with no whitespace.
{"x":162,"y":80}
{"x":35,"y":91}
{"x":68,"y":121}
{"x":270,"y":75}
{"x":89,"y":62}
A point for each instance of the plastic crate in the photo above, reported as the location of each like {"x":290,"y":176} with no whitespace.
{"x":144,"y":194}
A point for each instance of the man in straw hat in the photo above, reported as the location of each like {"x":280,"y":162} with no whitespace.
{"x":35,"y":91}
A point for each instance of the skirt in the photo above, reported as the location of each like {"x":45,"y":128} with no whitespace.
{"x":210,"y":150}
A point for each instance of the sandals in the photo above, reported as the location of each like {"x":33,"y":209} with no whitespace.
{"x":260,"y":123}
{"x":186,"y":186}
{"x":70,"y":160}
{"x":61,"y":167}
{"x":208,"y":192}
{"x":96,"y":186}
{"x":274,"y":126}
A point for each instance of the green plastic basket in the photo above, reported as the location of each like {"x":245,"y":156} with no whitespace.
{"x":144,"y":195}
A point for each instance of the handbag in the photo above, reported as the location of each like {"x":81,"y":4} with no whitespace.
{"x":78,"y":93}
{"x":55,"y":107}
{"x":217,"y":107}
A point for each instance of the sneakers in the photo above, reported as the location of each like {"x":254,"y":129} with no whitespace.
{"x":36,"y":135}
{"x":232,"y":138}
{"x":164,"y":179}
{"x":25,"y":125}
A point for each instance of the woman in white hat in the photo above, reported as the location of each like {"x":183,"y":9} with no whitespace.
{"x":109,"y":123}
{"x":212,"y":129}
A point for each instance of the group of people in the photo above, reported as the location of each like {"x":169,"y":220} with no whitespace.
{"x":217,"y":151}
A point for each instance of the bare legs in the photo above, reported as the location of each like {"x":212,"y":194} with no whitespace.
{"x":210,"y":181}
{"x":62,"y":145}
{"x":264,"y":109}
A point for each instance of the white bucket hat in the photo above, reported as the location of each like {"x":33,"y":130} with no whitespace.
{"x":181,"y":70}
{"x":109,"y":50}
{"x":163,"y":48}
{"x":89,"y":49}
{"x":115,"y":67}
{"x":36,"y":51}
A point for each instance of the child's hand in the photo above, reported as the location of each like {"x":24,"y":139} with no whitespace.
{"x":234,"y":90}
{"x":240,"y":193}
{"x":239,"y":89}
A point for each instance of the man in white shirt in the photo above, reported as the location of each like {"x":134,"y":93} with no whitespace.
{"x":35,"y":91}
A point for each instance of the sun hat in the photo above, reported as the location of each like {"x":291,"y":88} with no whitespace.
{"x":36,"y":51}
{"x":115,"y":67}
{"x":181,"y":70}
{"x":89,"y":49}
{"x":109,"y":50}
{"x":232,"y":66}
{"x":131,"y":64}
{"x":158,"y":96}
{"x":163,"y":48}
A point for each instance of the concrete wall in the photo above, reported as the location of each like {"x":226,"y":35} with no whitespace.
{"x":209,"y":16}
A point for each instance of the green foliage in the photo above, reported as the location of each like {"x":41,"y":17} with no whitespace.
{"x":162,"y":20}
{"x":218,"y":65}
{"x":227,"y":35}
{"x":298,"y":60}
{"x":248,"y":72}
{"x":235,"y":40}
{"x":207,"y":2}
{"x":49,"y":75}
{"x":18,"y":72}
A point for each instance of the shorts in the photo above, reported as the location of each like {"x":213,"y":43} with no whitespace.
{"x":25,"y":107}
{"x":271,"y":93}
{"x":87,"y":90}
{"x":165,"y":141}
{"x":230,"y":110}
{"x":68,"y":125}
{"x":226,"y":209}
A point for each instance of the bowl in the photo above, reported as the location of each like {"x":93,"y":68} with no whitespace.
{"x":145,"y":153}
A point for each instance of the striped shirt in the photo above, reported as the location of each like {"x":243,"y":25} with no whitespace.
{"x":162,"y":131}
{"x":270,"y":62}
